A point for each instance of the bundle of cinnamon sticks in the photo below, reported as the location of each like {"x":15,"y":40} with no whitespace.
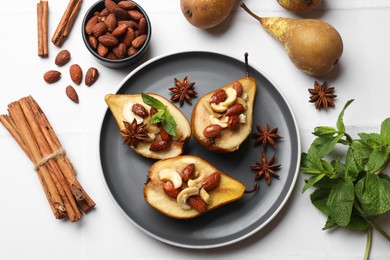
{"x":31,"y":129}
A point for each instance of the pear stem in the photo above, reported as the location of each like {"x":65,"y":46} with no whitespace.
{"x":243,"y":6}
{"x":247,"y":65}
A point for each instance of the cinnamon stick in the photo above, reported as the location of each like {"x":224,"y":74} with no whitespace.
{"x":31,"y":129}
{"x":65,"y":25}
{"x":42,"y":26}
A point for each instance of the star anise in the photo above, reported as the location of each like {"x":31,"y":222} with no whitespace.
{"x":266,"y":169}
{"x":134,"y":133}
{"x":183,"y":91}
{"x":266,"y":136}
{"x":322,"y":95}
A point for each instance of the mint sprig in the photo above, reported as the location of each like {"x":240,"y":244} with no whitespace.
{"x":162,"y":116}
{"x":353,"y":192}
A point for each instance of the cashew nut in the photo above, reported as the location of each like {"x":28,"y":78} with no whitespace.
{"x":171,"y":175}
{"x":184,"y":195}
{"x":196,"y":182}
{"x":129,"y":115}
{"x":222,"y":106}
{"x":205,"y":196}
{"x":223,"y":123}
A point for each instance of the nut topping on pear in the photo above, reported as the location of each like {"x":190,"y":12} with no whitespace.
{"x":222,"y":119}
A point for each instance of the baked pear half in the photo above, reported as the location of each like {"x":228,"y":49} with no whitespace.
{"x":188,"y":186}
{"x":147,"y":136}
{"x":222,"y":119}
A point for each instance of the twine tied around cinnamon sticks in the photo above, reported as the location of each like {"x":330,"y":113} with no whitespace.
{"x":30,"y":128}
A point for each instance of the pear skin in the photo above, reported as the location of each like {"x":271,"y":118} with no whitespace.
{"x":313,"y":46}
{"x":228,"y":189}
{"x":299,"y":6}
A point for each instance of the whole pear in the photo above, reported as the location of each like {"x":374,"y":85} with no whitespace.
{"x":206,"y":13}
{"x":314,"y":46}
{"x":299,"y":6}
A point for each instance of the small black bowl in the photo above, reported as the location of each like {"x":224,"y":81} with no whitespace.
{"x":111,"y":63}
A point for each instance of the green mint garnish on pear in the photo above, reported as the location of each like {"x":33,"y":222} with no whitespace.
{"x":350,"y":186}
{"x":162,"y":116}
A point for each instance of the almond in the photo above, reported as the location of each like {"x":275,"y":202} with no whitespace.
{"x":99,"y":29}
{"x":212,"y":131}
{"x":127,"y":5}
{"x":119,"y":31}
{"x":235,"y":109}
{"x":52,"y":76}
{"x":218,"y":96}
{"x":102,"y":50}
{"x":93,"y":42}
{"x":142,"y":26}
{"x":111,"y":56}
{"x":139,"y":110}
{"x":111,"y":22}
{"x":129,"y":37}
{"x":233,"y":122}
{"x":139,"y":41}
{"x":110,"y":5}
{"x":91,"y":76}
{"x":197,"y":203}
{"x":170,"y":190}
{"x":120,"y":51}
{"x":130,"y":24}
{"x":76,"y":74}
{"x":90,"y":24}
{"x":131,"y":51}
{"x":62,"y":58}
{"x":211,"y":181}
{"x":108,"y":40}
{"x":159,"y":145}
{"x":188,"y":171}
{"x":121,"y":14}
{"x":237,"y":86}
{"x":72,"y":94}
{"x":104,"y":12}
{"x":165,"y":136}
{"x":135,"y":15}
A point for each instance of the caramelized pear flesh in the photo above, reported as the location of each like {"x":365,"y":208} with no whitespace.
{"x":227,"y":189}
{"x":203,"y":115}
{"x":120,"y":106}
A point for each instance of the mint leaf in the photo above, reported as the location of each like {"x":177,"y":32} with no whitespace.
{"x":361,"y":153}
{"x":324,"y":130}
{"x":373,"y":194}
{"x":358,"y":223}
{"x":376,"y":160}
{"x":153,"y":102}
{"x":340,"y":122}
{"x":385,"y":131}
{"x":319,"y":198}
{"x":373,"y":140}
{"x":325,"y":144}
{"x":329,"y":224}
{"x":158,"y":117}
{"x":351,"y":168}
{"x":340,"y":203}
{"x":312,"y":180}
{"x":169,"y":123}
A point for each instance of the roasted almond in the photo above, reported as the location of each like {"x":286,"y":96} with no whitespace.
{"x":131,"y":51}
{"x":108,"y":40}
{"x":237,"y":86}
{"x":197,"y":203}
{"x":72,"y":94}
{"x":170,"y":190}
{"x":235,"y":109}
{"x":127,"y":5}
{"x":76,"y":73}
{"x":104,"y":12}
{"x":91,"y":23}
{"x":93,"y":42}
{"x":165,"y":136}
{"x":102,"y":50}
{"x":218,"y":96}
{"x":111,"y":56}
{"x":135,"y":15}
{"x":91,"y":76}
{"x":188,"y":172}
{"x":111,"y":22}
{"x":119,"y":31}
{"x":211,"y":181}
{"x":62,"y":58}
{"x":120,"y":51}
{"x":121,"y":14}
{"x":99,"y":29}
{"x":52,"y":76}
{"x":233,"y":122}
{"x":212,"y":131}
{"x":159,"y":145}
{"x":142,"y":26}
{"x":129,"y":37}
{"x":139,"y":110}
{"x":139,"y":41}
{"x":130,"y":24}
{"x":110,"y":5}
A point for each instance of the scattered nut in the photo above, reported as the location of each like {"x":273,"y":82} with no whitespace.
{"x":52,"y":76}
{"x":72,"y":94}
{"x":91,"y":76}
{"x":62,"y":58}
{"x":76,"y":74}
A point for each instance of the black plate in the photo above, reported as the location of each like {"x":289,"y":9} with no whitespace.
{"x":125,"y":172}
